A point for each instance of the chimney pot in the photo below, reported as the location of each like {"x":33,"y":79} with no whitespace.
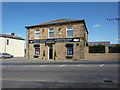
{"x":13,"y":34}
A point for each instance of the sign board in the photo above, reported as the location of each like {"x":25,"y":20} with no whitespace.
{"x":55,"y":40}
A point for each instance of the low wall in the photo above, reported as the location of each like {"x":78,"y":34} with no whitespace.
{"x":100,"y":56}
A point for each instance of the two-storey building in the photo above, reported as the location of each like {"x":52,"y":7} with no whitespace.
{"x":12,"y":44}
{"x":58,"y":39}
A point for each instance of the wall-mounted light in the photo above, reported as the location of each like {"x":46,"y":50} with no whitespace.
{"x":59,"y":32}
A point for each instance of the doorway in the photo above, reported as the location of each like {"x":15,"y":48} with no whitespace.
{"x":50,"y":51}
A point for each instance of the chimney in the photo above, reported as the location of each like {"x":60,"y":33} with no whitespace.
{"x":13,"y":34}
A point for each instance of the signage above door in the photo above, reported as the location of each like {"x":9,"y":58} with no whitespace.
{"x":55,"y":40}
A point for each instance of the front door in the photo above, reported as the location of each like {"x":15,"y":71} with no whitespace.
{"x":50,"y":51}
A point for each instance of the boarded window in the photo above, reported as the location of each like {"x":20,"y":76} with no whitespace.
{"x":96,"y":49}
{"x":114,"y":49}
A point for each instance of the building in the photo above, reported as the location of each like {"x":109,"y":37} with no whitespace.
{"x":105,"y":43}
{"x":12,"y":44}
{"x":58,"y":39}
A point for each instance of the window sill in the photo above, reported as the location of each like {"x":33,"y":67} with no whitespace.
{"x":69,"y":56}
{"x":36,"y":56}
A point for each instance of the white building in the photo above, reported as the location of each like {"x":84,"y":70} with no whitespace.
{"x":12,"y":44}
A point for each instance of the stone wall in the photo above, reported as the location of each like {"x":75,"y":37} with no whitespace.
{"x":101,"y":56}
{"x":78,"y":31}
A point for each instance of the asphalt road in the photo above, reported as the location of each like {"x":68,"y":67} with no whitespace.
{"x":61,"y":75}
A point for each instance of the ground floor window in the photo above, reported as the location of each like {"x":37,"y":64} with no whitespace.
{"x":36,"y":49}
{"x":69,"y":51}
{"x":69,"y":48}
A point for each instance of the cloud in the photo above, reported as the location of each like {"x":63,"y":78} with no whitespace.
{"x":19,"y":35}
{"x":118,"y":39}
{"x":8,"y":33}
{"x":96,"y":25}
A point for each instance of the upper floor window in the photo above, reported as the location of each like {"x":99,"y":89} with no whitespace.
{"x":7,"y":41}
{"x":69,"y":31}
{"x":37,"y":34}
{"x":51,"y":32}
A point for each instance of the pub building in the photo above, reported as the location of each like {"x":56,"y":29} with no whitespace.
{"x":57,"y":40}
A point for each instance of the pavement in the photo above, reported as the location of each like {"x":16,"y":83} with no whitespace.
{"x":24,"y":61}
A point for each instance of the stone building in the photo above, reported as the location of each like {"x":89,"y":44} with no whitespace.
{"x":58,"y":39}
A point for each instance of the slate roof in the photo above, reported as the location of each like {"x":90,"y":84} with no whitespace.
{"x":11,"y":36}
{"x":112,"y":45}
{"x":59,"y":21}
{"x":106,"y":43}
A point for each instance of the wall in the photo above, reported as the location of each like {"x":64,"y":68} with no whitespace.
{"x":2,"y":45}
{"x":100,"y":56}
{"x":78,"y":31}
{"x":15,"y":47}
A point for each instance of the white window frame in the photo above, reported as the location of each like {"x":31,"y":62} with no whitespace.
{"x":37,"y":32}
{"x":69,"y":30}
{"x":49,"y":31}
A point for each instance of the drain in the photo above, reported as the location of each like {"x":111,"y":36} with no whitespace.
{"x":108,"y":81}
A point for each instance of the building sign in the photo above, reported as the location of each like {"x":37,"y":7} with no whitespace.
{"x":55,"y":40}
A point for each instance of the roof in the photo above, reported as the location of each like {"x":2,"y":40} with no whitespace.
{"x":106,"y":43}
{"x":11,"y":36}
{"x":59,"y":21}
{"x":112,"y":45}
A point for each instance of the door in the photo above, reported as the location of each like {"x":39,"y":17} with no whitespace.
{"x":50,"y":51}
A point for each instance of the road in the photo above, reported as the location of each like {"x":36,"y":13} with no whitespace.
{"x":62,"y":75}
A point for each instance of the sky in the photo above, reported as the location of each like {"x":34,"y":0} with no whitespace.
{"x":17,"y":15}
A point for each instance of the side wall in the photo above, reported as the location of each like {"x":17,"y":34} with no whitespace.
{"x":14,"y":47}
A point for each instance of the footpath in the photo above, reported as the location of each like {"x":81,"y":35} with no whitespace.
{"x":25,"y":61}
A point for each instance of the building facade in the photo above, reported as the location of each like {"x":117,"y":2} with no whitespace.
{"x":58,"y":39}
{"x":12,"y":44}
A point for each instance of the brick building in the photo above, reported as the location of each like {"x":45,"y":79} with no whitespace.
{"x":58,"y":39}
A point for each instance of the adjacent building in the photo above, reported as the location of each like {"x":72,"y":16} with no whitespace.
{"x":58,"y":39}
{"x":12,"y":44}
{"x":105,"y":43}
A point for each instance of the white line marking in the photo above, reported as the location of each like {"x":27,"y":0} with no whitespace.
{"x":80,"y":65}
{"x":61,"y":65}
{"x":42,"y":65}
{"x":101,"y":65}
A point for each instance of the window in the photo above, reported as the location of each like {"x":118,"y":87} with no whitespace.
{"x":7,"y":41}
{"x":69,"y":51}
{"x":51,"y":32}
{"x":69,"y":31}
{"x":37,"y":49}
{"x":69,"y":48}
{"x":37,"y":34}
